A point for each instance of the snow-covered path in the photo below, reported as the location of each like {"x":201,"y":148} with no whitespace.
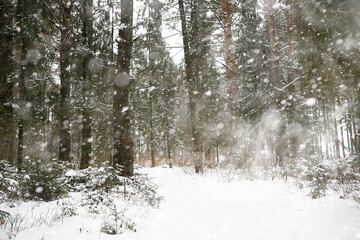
{"x":199,"y":207}
{"x":206,"y":207}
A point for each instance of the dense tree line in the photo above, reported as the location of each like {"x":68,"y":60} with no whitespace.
{"x":262,"y":82}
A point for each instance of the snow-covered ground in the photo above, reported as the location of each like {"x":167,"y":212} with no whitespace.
{"x":204,"y":207}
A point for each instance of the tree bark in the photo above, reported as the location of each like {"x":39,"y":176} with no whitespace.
{"x":123,"y":142}
{"x":152,"y":41}
{"x":24,"y":9}
{"x":291,"y":89}
{"x":152,"y":127}
{"x":290,"y":31}
{"x":290,"y":28}
{"x":7,"y":125}
{"x":21,"y":8}
{"x":168,"y":144}
{"x":65,"y":78}
{"x":336,"y":133}
{"x":230,"y":58}
{"x":348,"y":133}
{"x":274,"y":44}
{"x":230,"y":74}
{"x":342,"y":141}
{"x":326,"y":140}
{"x":356,"y":136}
{"x":280,"y":143}
{"x":196,"y":149}
{"x":86,"y":132}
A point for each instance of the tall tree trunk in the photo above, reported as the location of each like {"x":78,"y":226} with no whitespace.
{"x":7,"y":123}
{"x":290,"y":30}
{"x":325,"y":131}
{"x":152,"y":52}
{"x":356,"y":136}
{"x":22,"y":89}
{"x":230,"y":74}
{"x":280,"y":143}
{"x":291,"y":88}
{"x":342,"y":141}
{"x":110,"y":2}
{"x":168,"y":144}
{"x":167,"y":120}
{"x":336,"y":133}
{"x":87,"y":34}
{"x":328,"y":125}
{"x":348,"y":133}
{"x":152,"y":128}
{"x":24,"y":9}
{"x":154,"y":37}
{"x":65,"y":77}
{"x":274,"y":45}
{"x":123,"y":142}
{"x":196,"y":149}
{"x":230,"y":58}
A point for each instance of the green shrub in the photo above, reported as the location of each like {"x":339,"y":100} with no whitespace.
{"x":100,"y":181}
{"x":42,"y":181}
{"x":8,"y":182}
{"x":117,"y":223}
{"x":320,"y":174}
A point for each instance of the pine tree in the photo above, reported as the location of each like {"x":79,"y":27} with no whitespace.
{"x":65,"y":78}
{"x":7,"y":127}
{"x":190,"y":77}
{"x":87,"y":34}
{"x":123,"y":142}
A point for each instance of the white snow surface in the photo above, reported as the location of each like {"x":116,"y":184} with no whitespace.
{"x":205,"y":207}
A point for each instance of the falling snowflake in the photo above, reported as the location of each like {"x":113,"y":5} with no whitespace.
{"x":310,"y":102}
{"x":124,"y":109}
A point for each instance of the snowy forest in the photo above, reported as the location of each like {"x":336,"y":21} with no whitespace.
{"x":112,"y":109}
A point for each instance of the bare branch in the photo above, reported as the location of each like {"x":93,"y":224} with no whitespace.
{"x":53,"y":14}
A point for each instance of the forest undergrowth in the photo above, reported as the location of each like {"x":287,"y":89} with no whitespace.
{"x":48,"y":194}
{"x":317,"y":175}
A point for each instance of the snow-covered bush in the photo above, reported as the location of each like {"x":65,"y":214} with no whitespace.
{"x":319,"y":174}
{"x":314,"y":173}
{"x":141,"y":187}
{"x":41,"y":181}
{"x":347,"y":175}
{"x":91,"y":179}
{"x":36,"y":181}
{"x":8,"y":184}
{"x":98,"y":182}
{"x":117,"y":222}
{"x":92,"y":191}
{"x":104,"y":192}
{"x":348,"y":170}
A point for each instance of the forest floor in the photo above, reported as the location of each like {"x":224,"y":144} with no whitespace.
{"x":209,"y":207}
